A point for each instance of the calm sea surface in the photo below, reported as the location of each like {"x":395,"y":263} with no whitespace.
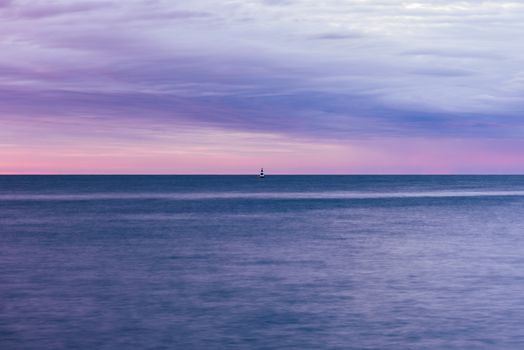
{"x":287,"y":262}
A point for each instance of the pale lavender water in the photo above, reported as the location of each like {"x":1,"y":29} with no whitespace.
{"x":288,"y":262}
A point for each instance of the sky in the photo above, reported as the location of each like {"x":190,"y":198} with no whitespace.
{"x":229,"y":86}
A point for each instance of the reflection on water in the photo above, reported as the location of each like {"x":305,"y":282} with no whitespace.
{"x":232,"y":262}
{"x":257,"y":195}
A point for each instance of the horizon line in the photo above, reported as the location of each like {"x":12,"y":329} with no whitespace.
{"x":267,"y":175}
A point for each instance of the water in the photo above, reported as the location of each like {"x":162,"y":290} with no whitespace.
{"x":288,"y":262}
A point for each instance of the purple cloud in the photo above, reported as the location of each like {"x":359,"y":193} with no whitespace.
{"x":337,"y":36}
{"x":60,"y":9}
{"x":328,"y":71}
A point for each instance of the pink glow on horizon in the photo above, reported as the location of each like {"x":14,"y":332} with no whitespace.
{"x":408,"y":156}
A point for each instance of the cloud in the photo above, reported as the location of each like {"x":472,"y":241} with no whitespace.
{"x":276,"y":2}
{"x":328,"y":70}
{"x":337,"y":36}
{"x":443,"y":72}
{"x":454,"y":53}
{"x":175,"y":15}
{"x":59,"y":9}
